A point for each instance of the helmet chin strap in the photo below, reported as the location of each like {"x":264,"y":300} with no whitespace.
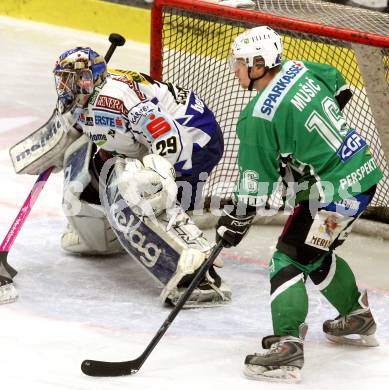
{"x":253,"y":80}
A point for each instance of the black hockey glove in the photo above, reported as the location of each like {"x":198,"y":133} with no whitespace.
{"x":231,"y":228}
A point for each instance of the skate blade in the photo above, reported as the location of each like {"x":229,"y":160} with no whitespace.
{"x":8,"y":294}
{"x":204,"y":305}
{"x":359,"y":340}
{"x":284,"y":374}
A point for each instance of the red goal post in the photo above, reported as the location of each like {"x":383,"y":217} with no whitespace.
{"x":190,"y":41}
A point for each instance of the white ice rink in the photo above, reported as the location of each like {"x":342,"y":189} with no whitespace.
{"x":74,"y":308}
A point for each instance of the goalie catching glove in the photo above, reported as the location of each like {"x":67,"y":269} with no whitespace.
{"x":233,"y":225}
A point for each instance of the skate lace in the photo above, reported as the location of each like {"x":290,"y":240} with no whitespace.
{"x":340,"y":323}
{"x":276,"y":347}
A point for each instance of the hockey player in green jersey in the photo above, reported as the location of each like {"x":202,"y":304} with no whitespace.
{"x":294,"y":130}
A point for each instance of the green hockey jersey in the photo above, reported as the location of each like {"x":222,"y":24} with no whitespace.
{"x":294,"y":129}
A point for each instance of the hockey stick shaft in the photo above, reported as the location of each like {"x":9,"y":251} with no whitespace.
{"x":25,"y":210}
{"x":21,"y":217}
{"x":101,"y":368}
{"x":116,"y":40}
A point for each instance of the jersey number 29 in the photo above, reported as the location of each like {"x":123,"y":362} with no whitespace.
{"x":166,"y":146}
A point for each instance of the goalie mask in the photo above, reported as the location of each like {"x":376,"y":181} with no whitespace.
{"x":259,"y":46}
{"x":76,"y":73}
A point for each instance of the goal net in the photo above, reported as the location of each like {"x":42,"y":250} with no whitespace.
{"x":191,"y":41}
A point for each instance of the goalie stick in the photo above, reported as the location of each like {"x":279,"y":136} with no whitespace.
{"x":116,"y":40}
{"x":18,"y":223}
{"x":102,"y":368}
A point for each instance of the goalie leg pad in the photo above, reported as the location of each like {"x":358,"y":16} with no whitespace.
{"x":88,"y":232}
{"x":190,"y":260}
{"x":168,"y":246}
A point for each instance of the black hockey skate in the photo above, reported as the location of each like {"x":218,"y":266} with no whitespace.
{"x":282,"y":362}
{"x":356,"y":328}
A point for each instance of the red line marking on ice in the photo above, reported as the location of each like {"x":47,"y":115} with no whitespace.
{"x":245,"y":259}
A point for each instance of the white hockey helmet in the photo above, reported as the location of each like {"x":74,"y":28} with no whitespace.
{"x":257,"y":42}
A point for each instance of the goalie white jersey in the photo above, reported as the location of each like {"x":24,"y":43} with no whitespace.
{"x":132,"y":114}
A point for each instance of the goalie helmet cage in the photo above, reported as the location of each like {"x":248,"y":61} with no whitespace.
{"x":190,"y":41}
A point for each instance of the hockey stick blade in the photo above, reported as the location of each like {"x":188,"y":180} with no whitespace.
{"x":3,"y":260}
{"x":102,"y":368}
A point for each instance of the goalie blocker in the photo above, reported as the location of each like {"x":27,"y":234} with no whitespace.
{"x":45,"y":147}
{"x":166,"y":242}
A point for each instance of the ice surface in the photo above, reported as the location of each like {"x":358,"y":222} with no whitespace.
{"x":72,"y":308}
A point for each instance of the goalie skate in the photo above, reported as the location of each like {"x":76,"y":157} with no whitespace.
{"x":8,"y":293}
{"x":212,"y":291}
{"x":357,"y":328}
